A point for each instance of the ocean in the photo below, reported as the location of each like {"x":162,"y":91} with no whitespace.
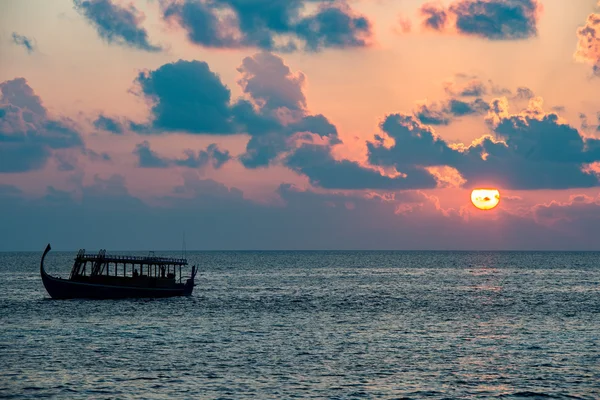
{"x":319,"y":325}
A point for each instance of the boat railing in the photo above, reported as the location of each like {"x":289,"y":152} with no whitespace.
{"x":103,"y":257}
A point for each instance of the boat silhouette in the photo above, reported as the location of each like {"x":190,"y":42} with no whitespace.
{"x":91,"y":277}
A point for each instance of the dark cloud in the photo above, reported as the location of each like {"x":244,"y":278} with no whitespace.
{"x":27,"y":135}
{"x":588,"y":46}
{"x":431,"y":114}
{"x":490,"y":19}
{"x":317,"y":163}
{"x":465,"y":86}
{"x":94,"y":156}
{"x":24,"y":41}
{"x":524,"y":93}
{"x":443,"y":113}
{"x":472,"y":86}
{"x":434,"y":16}
{"x":264,"y":147}
{"x":533,"y":150}
{"x":282,"y":110}
{"x":415,"y":144}
{"x":461,"y":108}
{"x":334,"y":26}
{"x":202,"y":23}
{"x":108,"y":124}
{"x":187,"y":96}
{"x":148,"y":158}
{"x":116,"y":24}
{"x":528,"y":153}
{"x":269,"y":25}
{"x":318,"y":124}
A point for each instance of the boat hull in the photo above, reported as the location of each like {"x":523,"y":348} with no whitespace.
{"x":59,"y":288}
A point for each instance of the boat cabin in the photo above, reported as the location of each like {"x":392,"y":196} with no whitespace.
{"x":147,"y":269}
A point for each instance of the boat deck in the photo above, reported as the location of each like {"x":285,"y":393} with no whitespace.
{"x":106,"y":258}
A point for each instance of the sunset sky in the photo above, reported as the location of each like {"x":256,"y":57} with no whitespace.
{"x":299,"y":124}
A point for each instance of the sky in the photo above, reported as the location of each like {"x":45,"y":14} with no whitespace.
{"x":299,"y":124}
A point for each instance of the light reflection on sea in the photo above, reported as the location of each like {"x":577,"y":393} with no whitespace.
{"x":315,"y":325}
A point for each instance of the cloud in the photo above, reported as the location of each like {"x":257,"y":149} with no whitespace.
{"x":435,"y":16}
{"x":269,"y":25}
{"x":578,"y":218}
{"x":524,"y":93}
{"x":490,"y":19}
{"x":533,"y":150}
{"x":472,"y":88}
{"x":215,"y":216}
{"x":108,"y":124}
{"x":116,"y":24}
{"x":28,"y":136}
{"x":431,"y":114}
{"x":457,"y":105}
{"x":334,"y":26}
{"x":464,"y":85}
{"x":588,"y":46}
{"x":186,"y":96}
{"x":444,"y":113}
{"x":415,"y":144}
{"x":24,"y":41}
{"x":147,"y":158}
{"x":271,"y":83}
{"x":278,"y":93}
{"x":317,"y":163}
{"x":94,"y":156}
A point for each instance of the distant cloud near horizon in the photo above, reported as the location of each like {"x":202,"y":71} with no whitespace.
{"x":268,"y":24}
{"x":220,"y":217}
{"x":24,"y":41}
{"x":148,"y":158}
{"x":116,"y":24}
{"x":489,"y":19}
{"x":108,"y":124}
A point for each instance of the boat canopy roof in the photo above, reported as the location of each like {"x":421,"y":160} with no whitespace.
{"x":102,"y":257}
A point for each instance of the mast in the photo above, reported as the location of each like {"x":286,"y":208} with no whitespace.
{"x":183,"y":249}
{"x":183,"y":254}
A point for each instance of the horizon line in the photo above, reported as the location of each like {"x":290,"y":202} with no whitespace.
{"x":320,"y":250}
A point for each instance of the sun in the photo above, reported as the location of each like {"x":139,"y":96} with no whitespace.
{"x":485,"y":199}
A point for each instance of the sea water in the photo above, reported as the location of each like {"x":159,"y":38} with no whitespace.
{"x":327,"y":325}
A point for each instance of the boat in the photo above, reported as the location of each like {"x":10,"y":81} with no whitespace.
{"x":91,"y":277}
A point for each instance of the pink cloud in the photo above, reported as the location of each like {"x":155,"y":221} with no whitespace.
{"x":588,"y":45}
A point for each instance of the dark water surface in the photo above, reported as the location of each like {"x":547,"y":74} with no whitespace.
{"x":331,"y":325}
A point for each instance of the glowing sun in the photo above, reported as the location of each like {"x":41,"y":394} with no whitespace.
{"x":485,"y":199}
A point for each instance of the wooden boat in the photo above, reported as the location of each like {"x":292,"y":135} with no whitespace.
{"x":157,"y":277}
